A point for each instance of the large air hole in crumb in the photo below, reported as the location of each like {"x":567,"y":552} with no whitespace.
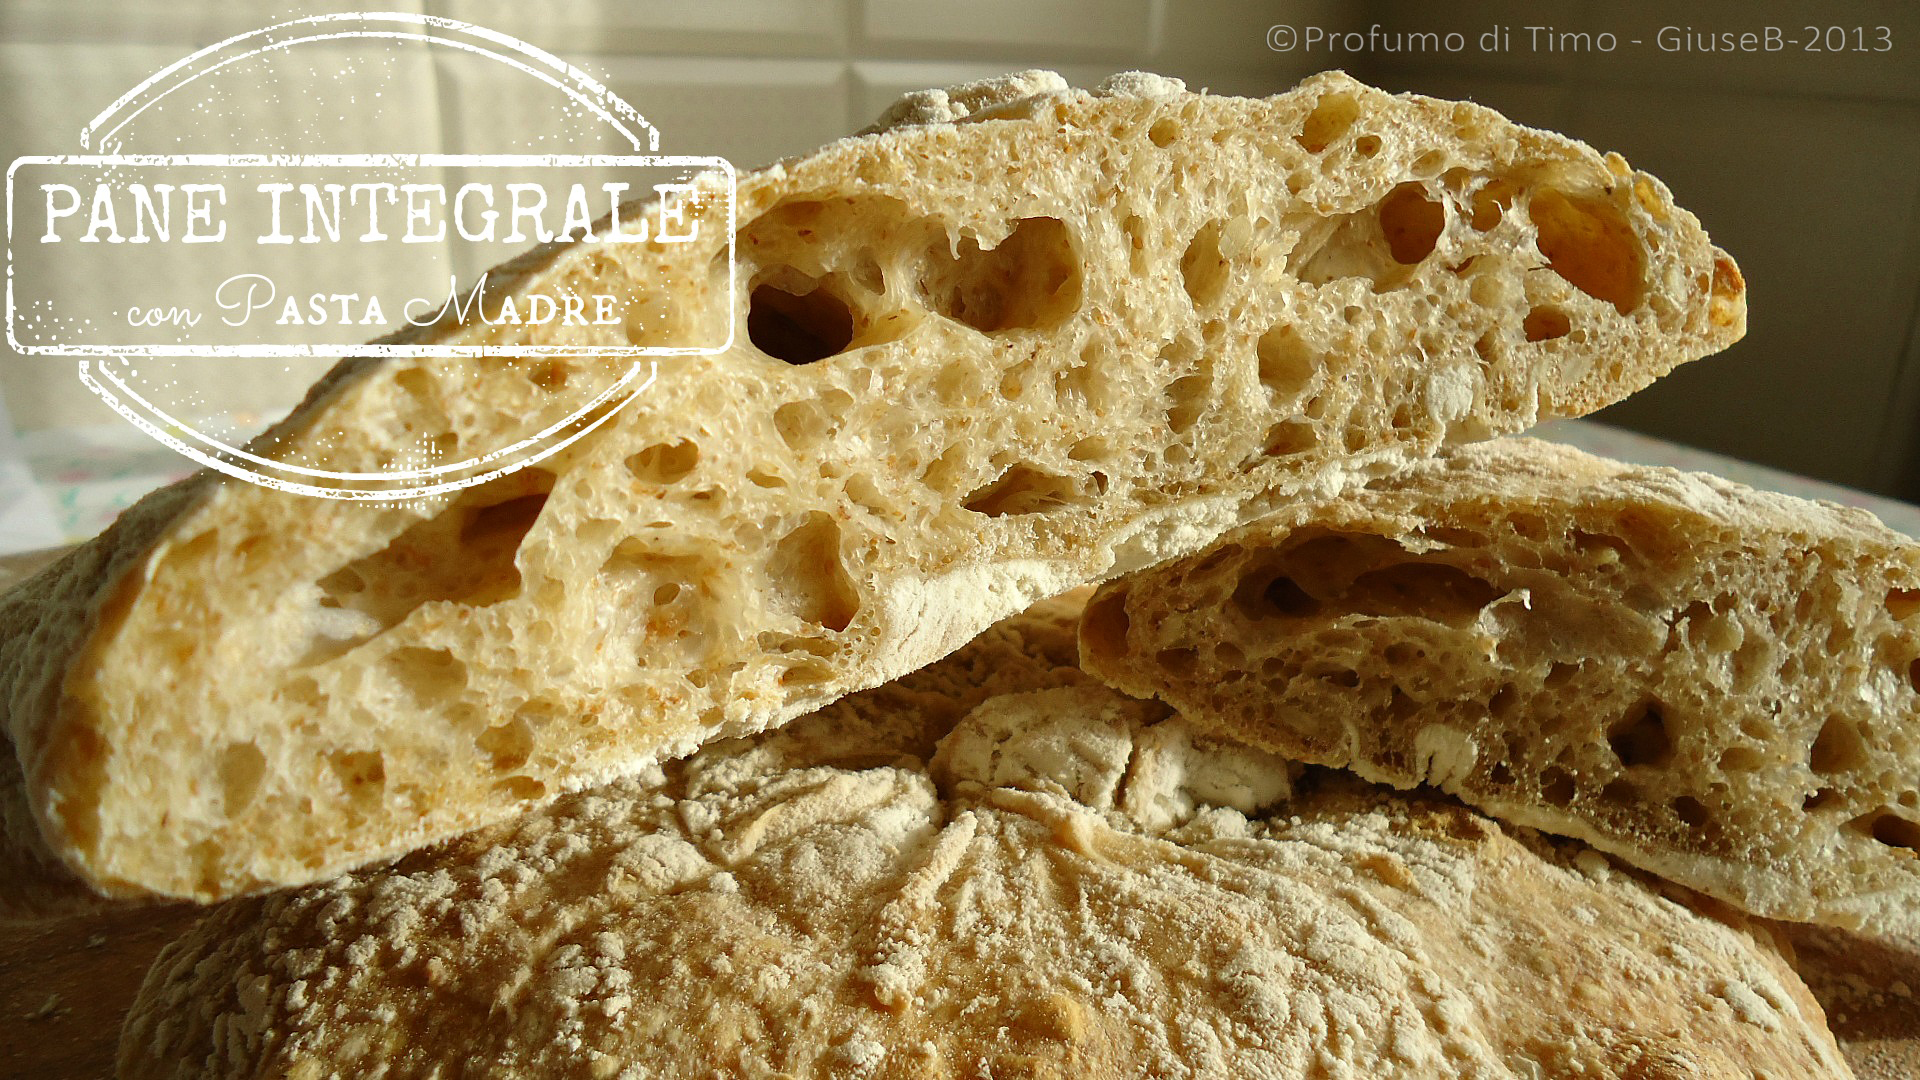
{"x":1370,"y":575}
{"x":304,"y":692}
{"x":806,"y":673}
{"x":1136,"y":233}
{"x":1691,"y":811}
{"x":1189,"y":396}
{"x":1587,"y":242}
{"x":1203,"y":269}
{"x":808,"y":578}
{"x":1289,"y":437}
{"x":1903,"y":604}
{"x":1622,"y":791}
{"x":635,"y":557}
{"x":1490,"y":202}
{"x":1430,"y":163}
{"x":1640,"y":737}
{"x":1501,"y":705}
{"x":242,"y":768}
{"x":521,"y":788}
{"x":1030,"y":280}
{"x":799,"y":328}
{"x":803,"y":424}
{"x":1820,"y":800}
{"x":1382,"y":245}
{"x":1287,"y":363}
{"x":1093,"y":448}
{"x":1331,"y":117}
{"x":1024,"y":489}
{"x":1429,"y":590}
{"x":1285,"y":596}
{"x":506,"y":746}
{"x":1839,"y":748}
{"x":1599,"y":547}
{"x":1546,"y":324}
{"x":1265,"y":594}
{"x":432,"y":677}
{"x":1890,"y":829}
{"x":466,"y":554}
{"x":1556,"y":785}
{"x":1487,"y":348}
{"x":1104,"y":626}
{"x":1531,"y":526}
{"x":362,"y":774}
{"x":1164,"y":131}
{"x":1180,"y":662}
{"x":664,"y":463}
{"x":1411,"y":222}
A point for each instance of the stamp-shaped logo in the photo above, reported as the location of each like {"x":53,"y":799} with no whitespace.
{"x":237,"y":257}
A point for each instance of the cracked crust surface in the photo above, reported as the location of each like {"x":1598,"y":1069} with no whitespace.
{"x":1058,"y":881}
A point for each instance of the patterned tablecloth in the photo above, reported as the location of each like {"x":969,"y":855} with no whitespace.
{"x":66,"y":484}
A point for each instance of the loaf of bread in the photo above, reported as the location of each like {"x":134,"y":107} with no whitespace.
{"x":1019,"y":338}
{"x":1065,"y":883}
{"x":1718,"y":684}
{"x":34,"y":883}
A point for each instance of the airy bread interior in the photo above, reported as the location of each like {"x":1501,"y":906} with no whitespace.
{"x":1718,"y":684}
{"x":1061,"y":882}
{"x":1020,"y":338}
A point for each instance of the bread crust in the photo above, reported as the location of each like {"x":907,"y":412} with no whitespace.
{"x":1077,"y":333}
{"x":1060,"y":882}
{"x":1718,"y":684}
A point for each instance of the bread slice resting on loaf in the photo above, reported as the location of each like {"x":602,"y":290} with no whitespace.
{"x":1717,"y":684}
{"x":1018,"y":338}
{"x":1060,"y":882}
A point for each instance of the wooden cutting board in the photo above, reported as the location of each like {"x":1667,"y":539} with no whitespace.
{"x":65,"y":986}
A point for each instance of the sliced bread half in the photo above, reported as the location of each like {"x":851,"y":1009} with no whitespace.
{"x":1019,"y":338}
{"x":1718,"y":684}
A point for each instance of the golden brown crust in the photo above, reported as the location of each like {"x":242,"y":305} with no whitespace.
{"x":1076,"y":885}
{"x":35,"y":884}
